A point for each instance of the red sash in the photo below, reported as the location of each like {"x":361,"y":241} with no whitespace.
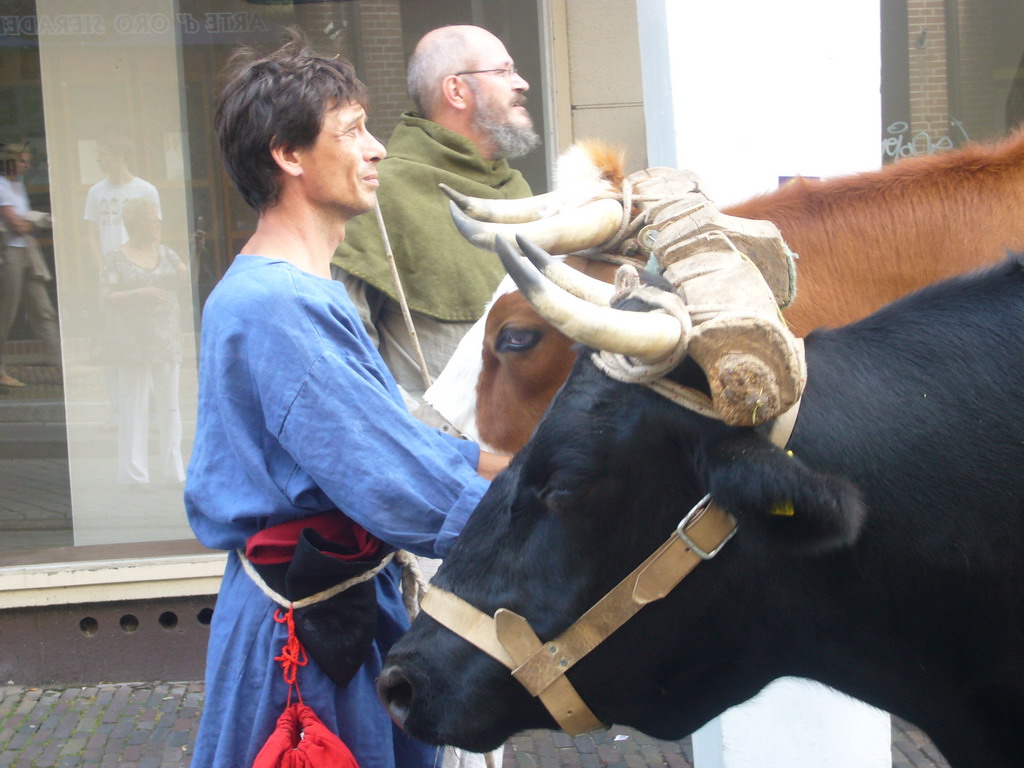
{"x":276,"y":545}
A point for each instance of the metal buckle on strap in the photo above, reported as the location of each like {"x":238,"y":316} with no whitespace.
{"x":691,"y":518}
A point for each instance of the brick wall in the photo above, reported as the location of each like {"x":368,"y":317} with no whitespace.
{"x":929,"y":103}
{"x":383,"y":63}
{"x":369,"y":34}
{"x":952,"y":88}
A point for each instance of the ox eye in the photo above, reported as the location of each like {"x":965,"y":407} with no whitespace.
{"x":564,"y":491}
{"x":512,"y":339}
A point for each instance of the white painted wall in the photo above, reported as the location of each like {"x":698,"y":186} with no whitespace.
{"x":745,"y":91}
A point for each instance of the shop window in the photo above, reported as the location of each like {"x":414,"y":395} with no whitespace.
{"x":138,"y":79}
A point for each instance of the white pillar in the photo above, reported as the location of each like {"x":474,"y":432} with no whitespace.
{"x":796,"y":723}
{"x":742,"y":93}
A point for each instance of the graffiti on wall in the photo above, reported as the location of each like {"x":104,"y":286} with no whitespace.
{"x":899,"y":142}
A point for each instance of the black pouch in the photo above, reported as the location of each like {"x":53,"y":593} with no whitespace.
{"x":338,"y":632}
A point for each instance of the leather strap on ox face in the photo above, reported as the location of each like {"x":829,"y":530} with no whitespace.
{"x":560,"y":699}
{"x":541,"y":667}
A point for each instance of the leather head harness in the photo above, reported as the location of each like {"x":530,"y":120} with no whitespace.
{"x":541,"y":667}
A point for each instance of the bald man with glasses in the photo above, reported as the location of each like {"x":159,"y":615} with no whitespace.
{"x":470,"y":120}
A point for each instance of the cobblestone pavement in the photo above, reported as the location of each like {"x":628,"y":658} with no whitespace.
{"x":139,"y":724}
{"x":153,"y":725}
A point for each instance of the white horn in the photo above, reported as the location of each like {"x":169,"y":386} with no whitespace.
{"x":513,"y":211}
{"x":564,"y":276}
{"x":575,"y":230}
{"x":647,"y":336}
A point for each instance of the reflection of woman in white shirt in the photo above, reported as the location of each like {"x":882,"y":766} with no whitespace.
{"x":140,"y":285}
{"x":23,"y":272}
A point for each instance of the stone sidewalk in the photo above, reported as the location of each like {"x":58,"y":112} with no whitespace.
{"x":153,"y":725}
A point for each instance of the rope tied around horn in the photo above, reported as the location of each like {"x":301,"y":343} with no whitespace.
{"x":652,"y":373}
{"x":628,"y":369}
{"x":730,"y":326}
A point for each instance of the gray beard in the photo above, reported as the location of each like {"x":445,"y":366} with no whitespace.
{"x":511,"y":141}
{"x":507,"y":140}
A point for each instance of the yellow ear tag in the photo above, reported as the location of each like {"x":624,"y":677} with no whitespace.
{"x":790,"y":454}
{"x":784,"y":510}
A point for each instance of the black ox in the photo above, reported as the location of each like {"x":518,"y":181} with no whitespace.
{"x":898,"y":579}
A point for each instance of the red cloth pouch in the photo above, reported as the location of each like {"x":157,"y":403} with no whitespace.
{"x":301,"y":740}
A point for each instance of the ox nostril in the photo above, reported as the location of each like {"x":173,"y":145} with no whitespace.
{"x":395,"y":689}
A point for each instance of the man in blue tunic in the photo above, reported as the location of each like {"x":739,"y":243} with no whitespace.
{"x":303,"y":442}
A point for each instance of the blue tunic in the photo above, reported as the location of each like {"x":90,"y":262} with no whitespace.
{"x":298,"y":415}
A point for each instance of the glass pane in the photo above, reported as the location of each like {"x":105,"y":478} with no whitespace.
{"x":116,"y":143}
{"x":35,"y":496}
{"x":952,"y":71}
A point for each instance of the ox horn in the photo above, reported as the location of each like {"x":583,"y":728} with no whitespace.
{"x":564,"y":276}
{"x":568,"y":232}
{"x":508,"y":211}
{"x":646,"y":336}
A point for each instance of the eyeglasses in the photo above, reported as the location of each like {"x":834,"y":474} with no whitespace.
{"x":509,"y":71}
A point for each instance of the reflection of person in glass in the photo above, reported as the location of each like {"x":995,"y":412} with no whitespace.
{"x":106,"y":198}
{"x":140,"y":284}
{"x":23,"y":271}
{"x":103,"y":205}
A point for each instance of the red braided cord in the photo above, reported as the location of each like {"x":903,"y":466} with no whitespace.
{"x":293,"y":655}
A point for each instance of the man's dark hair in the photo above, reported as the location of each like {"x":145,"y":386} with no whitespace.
{"x":276,"y":101}
{"x":117,"y":145}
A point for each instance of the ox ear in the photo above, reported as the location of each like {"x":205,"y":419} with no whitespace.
{"x":776,"y":495}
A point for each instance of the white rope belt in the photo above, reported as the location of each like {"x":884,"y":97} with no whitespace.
{"x":319,"y":597}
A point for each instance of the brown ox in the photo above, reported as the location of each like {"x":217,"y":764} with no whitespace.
{"x":862,"y":240}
